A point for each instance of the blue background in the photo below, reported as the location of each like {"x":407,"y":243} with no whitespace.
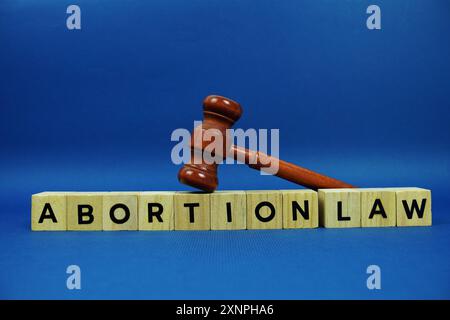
{"x":93,"y":109}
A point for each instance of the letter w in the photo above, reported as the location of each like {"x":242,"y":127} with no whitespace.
{"x":414,"y":207}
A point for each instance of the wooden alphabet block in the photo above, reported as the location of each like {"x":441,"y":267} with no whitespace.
{"x":228,"y":210}
{"x":120,"y":211}
{"x":413,"y":207}
{"x":340,"y":208}
{"x":156,"y":210}
{"x":264,"y":209}
{"x":84,"y":211}
{"x":300,"y":209}
{"x":192,"y":211}
{"x":48,"y":211}
{"x":378,"y":207}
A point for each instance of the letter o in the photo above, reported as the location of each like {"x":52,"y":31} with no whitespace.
{"x":270,"y":216}
{"x":124,"y":208}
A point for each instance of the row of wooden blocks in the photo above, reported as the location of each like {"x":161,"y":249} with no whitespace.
{"x":231,"y":210}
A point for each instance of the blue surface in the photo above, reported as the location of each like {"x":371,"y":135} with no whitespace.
{"x":94,"y":109}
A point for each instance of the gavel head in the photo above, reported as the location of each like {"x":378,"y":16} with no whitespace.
{"x":219,"y":114}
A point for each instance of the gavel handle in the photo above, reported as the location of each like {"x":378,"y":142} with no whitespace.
{"x":288,"y":171}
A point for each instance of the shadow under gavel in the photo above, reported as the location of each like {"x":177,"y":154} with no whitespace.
{"x":220,"y":114}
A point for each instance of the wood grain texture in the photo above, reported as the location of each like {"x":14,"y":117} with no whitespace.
{"x":52,"y":207}
{"x":85,"y":211}
{"x":300,"y":209}
{"x":120,"y":211}
{"x":219,"y":114}
{"x":228,"y":210}
{"x":378,"y":207}
{"x":156,"y":210}
{"x":286,"y":170}
{"x":413,"y":207}
{"x":264,"y":209}
{"x":192,"y":211}
{"x":340,"y":208}
{"x":231,"y":210}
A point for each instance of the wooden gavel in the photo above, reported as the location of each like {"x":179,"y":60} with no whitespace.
{"x":221,"y":113}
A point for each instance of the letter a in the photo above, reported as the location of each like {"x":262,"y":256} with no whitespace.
{"x":374,"y":280}
{"x":74,"y":280}
{"x":374,"y":20}
{"x":74,"y":20}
